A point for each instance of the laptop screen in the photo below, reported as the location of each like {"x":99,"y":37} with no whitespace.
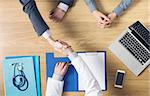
{"x":145,"y":41}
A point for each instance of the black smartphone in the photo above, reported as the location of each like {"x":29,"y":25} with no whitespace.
{"x":120,"y":74}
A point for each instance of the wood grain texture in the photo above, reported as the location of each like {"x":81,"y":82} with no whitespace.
{"x":79,"y":29}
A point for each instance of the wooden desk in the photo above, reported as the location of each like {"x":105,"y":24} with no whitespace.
{"x":79,"y":29}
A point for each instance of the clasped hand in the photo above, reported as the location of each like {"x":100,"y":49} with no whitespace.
{"x":104,"y":21}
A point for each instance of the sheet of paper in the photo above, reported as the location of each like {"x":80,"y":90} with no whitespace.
{"x":96,"y":63}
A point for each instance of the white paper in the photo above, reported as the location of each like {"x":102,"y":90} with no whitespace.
{"x":96,"y":63}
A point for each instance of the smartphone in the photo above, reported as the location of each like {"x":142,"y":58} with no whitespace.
{"x":120,"y":74}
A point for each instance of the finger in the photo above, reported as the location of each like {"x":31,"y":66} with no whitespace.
{"x":52,"y":12}
{"x":56,"y":18}
{"x":102,"y":21}
{"x":62,"y":65}
{"x":65,"y":43}
{"x":100,"y":25}
{"x":65,"y":68}
{"x":65,"y":46}
{"x":58,"y":64}
{"x":58,"y":44}
{"x":104,"y":24}
{"x":108,"y":25}
{"x":105,"y":17}
{"x":69,"y":47}
{"x":59,"y":41}
{"x":51,"y":16}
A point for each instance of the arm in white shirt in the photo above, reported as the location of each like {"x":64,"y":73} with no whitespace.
{"x":54,"y":85}
{"x":91,"y":85}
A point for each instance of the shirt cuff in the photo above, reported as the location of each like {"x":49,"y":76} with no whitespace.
{"x":118,"y":11}
{"x":63,"y":6}
{"x":57,"y":77}
{"x":72,"y":56}
{"x":46,"y":34}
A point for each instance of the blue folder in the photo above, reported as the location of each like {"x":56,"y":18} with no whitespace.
{"x":28,"y":69}
{"x":71,"y":77}
{"x":36,"y":62}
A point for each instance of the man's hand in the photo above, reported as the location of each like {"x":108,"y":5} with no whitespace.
{"x":63,"y":47}
{"x":57,"y":14}
{"x":112,"y":16}
{"x":61,"y":68}
{"x":60,"y":46}
{"x":102,"y":19}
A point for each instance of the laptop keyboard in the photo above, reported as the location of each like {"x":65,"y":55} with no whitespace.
{"x":137,"y":50}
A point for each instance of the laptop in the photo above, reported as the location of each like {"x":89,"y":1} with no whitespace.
{"x":132,"y":47}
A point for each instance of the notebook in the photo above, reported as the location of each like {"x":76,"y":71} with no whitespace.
{"x":28,"y":63}
{"x":96,"y":61}
{"x":36,"y":60}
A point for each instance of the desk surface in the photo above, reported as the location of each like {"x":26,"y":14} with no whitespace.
{"x":79,"y":29}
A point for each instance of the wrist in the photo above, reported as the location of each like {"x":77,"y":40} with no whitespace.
{"x":114,"y":14}
{"x":70,"y":52}
{"x":96,"y":13}
{"x":57,"y":77}
{"x":64,"y":7}
{"x":72,"y":56}
{"x":51,"y":40}
{"x":67,"y":52}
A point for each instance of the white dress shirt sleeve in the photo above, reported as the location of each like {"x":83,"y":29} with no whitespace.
{"x":90,"y":84}
{"x":63,"y":6}
{"x":46,"y":34}
{"x":54,"y":87}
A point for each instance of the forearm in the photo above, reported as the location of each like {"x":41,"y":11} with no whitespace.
{"x":54,"y":85}
{"x":35,"y":17}
{"x":91,"y":4}
{"x":91,"y":85}
{"x":124,"y":4}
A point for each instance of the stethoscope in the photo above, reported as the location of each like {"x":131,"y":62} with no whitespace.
{"x":20,"y":81}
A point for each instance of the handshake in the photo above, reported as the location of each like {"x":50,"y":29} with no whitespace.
{"x":60,"y":46}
